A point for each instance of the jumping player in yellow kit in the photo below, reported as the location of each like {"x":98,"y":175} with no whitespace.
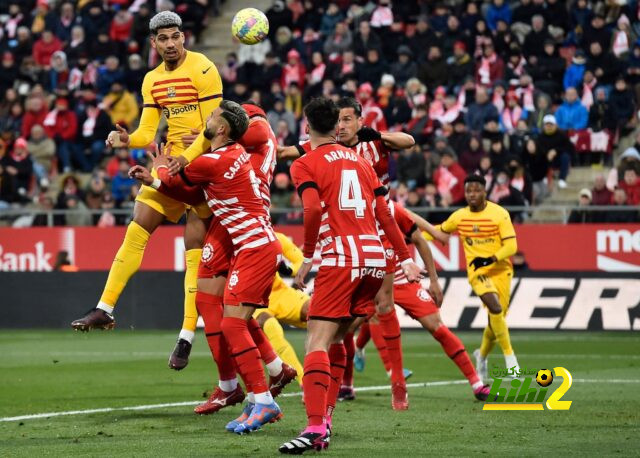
{"x":185,"y":88}
{"x":489,"y":239}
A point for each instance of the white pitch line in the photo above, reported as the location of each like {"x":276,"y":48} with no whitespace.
{"x":284,"y":395}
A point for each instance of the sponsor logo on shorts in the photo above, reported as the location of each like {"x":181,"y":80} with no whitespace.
{"x":423,"y":295}
{"x":233,"y":279}
{"x":389,"y":253}
{"x":207,"y":252}
{"x":362,"y":272}
{"x":178,"y":110}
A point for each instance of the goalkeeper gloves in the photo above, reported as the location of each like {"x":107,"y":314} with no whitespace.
{"x":481,"y":262}
{"x":284,"y":269}
{"x":367,"y":134}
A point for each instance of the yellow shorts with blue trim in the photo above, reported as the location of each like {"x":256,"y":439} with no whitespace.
{"x":285,"y":304}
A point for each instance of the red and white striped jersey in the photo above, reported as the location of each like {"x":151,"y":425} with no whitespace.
{"x":233,"y":193}
{"x":375,"y":152}
{"x":347,"y":186}
{"x":377,"y":155}
{"x":407,"y":226}
{"x":261,"y":143}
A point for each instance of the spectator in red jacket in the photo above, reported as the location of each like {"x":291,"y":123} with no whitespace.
{"x":61,"y":124}
{"x":491,"y":66}
{"x":293,"y":71}
{"x":44,"y":48}
{"x":121,"y":24}
{"x":631,"y":185}
{"x":449,"y":179}
{"x":36,"y":111}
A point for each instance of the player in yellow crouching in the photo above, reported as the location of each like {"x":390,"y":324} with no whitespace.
{"x":489,"y":239}
{"x":286,"y":305}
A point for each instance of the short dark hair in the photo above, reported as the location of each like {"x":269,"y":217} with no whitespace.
{"x":350,"y":102}
{"x":236,"y":117}
{"x":473,"y":178}
{"x":322,"y":115}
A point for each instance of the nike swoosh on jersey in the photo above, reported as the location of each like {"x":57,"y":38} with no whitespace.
{"x":205,"y":71}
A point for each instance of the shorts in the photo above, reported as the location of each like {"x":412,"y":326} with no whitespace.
{"x":343,"y":293}
{"x":217,"y":252}
{"x":170,"y":208}
{"x":251,"y":275}
{"x":414,"y":299}
{"x":494,"y":282}
{"x":285,"y":304}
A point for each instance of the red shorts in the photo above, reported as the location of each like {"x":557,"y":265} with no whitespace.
{"x":414,"y":300}
{"x":251,"y":275}
{"x":216,"y":252}
{"x":342,"y":293}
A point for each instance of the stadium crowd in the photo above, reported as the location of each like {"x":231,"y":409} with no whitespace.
{"x":516,"y":91}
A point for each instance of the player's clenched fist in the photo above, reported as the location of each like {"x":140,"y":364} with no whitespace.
{"x":118,"y":138}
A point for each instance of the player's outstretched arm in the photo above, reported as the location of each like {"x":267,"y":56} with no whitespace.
{"x":429,"y":228}
{"x":392,"y":231}
{"x":427,"y":257}
{"x":288,"y":152}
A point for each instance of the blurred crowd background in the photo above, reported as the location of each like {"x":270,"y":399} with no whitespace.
{"x":518,"y":91}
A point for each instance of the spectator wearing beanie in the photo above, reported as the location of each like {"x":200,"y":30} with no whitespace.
{"x":579,"y":215}
{"x":556,"y":145}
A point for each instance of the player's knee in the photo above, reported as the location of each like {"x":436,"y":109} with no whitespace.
{"x":431,"y":322}
{"x":494,"y":309}
{"x":304,"y":312}
{"x":263,"y":317}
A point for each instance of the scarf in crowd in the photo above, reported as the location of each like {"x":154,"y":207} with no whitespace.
{"x":518,"y":69}
{"x":587,"y":93}
{"x":85,"y":78}
{"x":499,"y":191}
{"x":518,"y":183}
{"x":498,"y":101}
{"x":620,"y":43}
{"x":484,"y":72}
{"x":51,"y":118}
{"x":525,"y":94}
{"x":11,"y":26}
{"x":292,"y":74}
{"x":450,"y":114}
{"x":510,"y":117}
{"x":446,"y":181}
{"x":90,"y":124}
{"x":317,"y":74}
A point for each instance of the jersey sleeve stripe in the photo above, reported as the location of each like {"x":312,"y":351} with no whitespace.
{"x":381,"y":191}
{"x":301,"y":150}
{"x":307,"y":185}
{"x":209,"y":97}
{"x":411,"y":230}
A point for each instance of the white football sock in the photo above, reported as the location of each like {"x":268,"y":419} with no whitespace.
{"x":275,"y":367}
{"x":186,"y":335}
{"x":106,"y":307}
{"x":264,"y":398}
{"x":228,"y":385}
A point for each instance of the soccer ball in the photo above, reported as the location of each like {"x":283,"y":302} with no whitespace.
{"x":250,"y":26}
{"x":544,"y":377}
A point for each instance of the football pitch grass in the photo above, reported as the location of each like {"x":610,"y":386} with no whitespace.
{"x":62,"y":371}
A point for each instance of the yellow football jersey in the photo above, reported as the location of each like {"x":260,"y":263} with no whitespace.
{"x":482,"y":234}
{"x":185,"y":96}
{"x":292,"y":253}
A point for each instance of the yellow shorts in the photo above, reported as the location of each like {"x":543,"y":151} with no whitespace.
{"x":169,"y":207}
{"x":172,"y":209}
{"x":499,"y":283}
{"x":285,"y":304}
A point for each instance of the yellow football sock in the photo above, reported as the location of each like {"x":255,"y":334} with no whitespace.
{"x":192,"y":261}
{"x":126,"y":263}
{"x":499,"y":327}
{"x":488,"y":341}
{"x":274,"y":332}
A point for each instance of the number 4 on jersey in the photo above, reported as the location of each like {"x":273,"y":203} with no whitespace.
{"x":351,"y":194}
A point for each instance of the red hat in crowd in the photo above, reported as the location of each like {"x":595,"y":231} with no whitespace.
{"x":62,"y":102}
{"x":20,"y":143}
{"x":293,"y":53}
{"x":365,"y":87}
{"x":512,"y":96}
{"x":460,"y":45}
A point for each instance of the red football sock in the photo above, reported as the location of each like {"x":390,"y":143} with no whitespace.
{"x":363,"y":336}
{"x":381,"y":344}
{"x":246,"y":354}
{"x":315,"y":385}
{"x":337,"y":360}
{"x":454,"y":349}
{"x":210,"y":309}
{"x":347,"y":378}
{"x":264,"y":346}
{"x":391,"y":331}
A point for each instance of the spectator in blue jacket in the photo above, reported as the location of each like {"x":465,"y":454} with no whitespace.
{"x":480,"y":111}
{"x":498,"y":11}
{"x":572,"y":114}
{"x":573,"y":75}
